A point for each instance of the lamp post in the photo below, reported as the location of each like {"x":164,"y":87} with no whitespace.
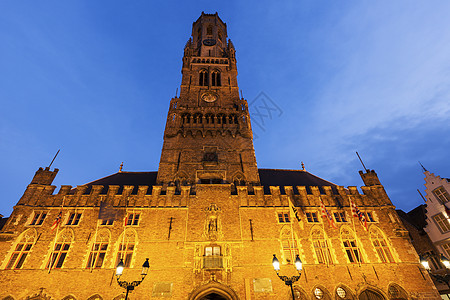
{"x":443,"y":278}
{"x":131,"y":285}
{"x":288,"y":280}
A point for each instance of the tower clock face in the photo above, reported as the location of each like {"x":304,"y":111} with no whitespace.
{"x":209,"y":42}
{"x":209,"y":97}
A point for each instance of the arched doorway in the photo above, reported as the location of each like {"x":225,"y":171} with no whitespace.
{"x":370,"y":295}
{"x":213,"y":296}
{"x":213,"y":291}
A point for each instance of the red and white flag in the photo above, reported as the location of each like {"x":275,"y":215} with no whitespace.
{"x":327,"y":215}
{"x":358,"y":214}
{"x":57,"y":221}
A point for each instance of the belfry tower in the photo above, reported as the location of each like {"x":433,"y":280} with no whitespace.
{"x":208,"y":136}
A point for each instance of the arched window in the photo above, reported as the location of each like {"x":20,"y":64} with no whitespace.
{"x":98,"y":250}
{"x":198,"y":118}
{"x":186,"y":118}
{"x":221,"y":119}
{"x":203,"y":78}
{"x":396,"y":292}
{"x":215,"y":78}
{"x":370,"y":294}
{"x":126,"y":248}
{"x":22,"y":250}
{"x":209,"y":30}
{"x":381,"y":245}
{"x":321,"y":246}
{"x":209,"y":119}
{"x":288,"y":245}
{"x":60,"y":250}
{"x":350,"y":245}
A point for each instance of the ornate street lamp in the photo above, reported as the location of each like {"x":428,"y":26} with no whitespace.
{"x":445,"y":278}
{"x":288,"y":280}
{"x":131,"y":285}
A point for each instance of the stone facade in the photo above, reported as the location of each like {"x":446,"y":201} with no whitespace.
{"x":209,"y":220}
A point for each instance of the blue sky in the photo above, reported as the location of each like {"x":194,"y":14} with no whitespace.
{"x":94,"y":79}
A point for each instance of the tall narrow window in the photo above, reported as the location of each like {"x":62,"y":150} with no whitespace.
{"x":381,"y":245}
{"x":203,"y":78}
{"x":98,"y":250}
{"x":441,"y":194}
{"x":350,"y":246}
{"x":289,"y":246}
{"x":60,"y":250}
{"x":215,"y":78}
{"x":209,"y":30}
{"x":321,"y":247}
{"x":133,"y":219}
{"x":126,"y":248}
{"x":22,"y":250}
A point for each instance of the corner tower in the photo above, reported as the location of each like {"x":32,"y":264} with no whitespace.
{"x":208,"y":136}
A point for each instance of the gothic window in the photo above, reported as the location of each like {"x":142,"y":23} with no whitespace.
{"x":213,"y":257}
{"x":22,"y":250}
{"x":283,"y":217}
{"x":60,"y":250}
{"x":126,"y":248}
{"x":74,"y":219}
{"x":215,"y":78}
{"x":209,"y":30}
{"x":209,"y":119}
{"x":288,"y":245}
{"x":132,"y":219}
{"x":98,"y":250}
{"x":203,"y":78}
{"x":312,"y":217}
{"x":198,"y":118}
{"x":38,"y":218}
{"x":442,"y":222}
{"x":350,"y":246}
{"x":381,"y":245}
{"x":370,"y":295}
{"x":221,"y":119}
{"x":441,"y":194}
{"x":321,"y":247}
{"x":340,"y":217}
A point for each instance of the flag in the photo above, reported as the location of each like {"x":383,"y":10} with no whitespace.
{"x":326,"y":214}
{"x":358,"y":214}
{"x":57,"y":221}
{"x":108,"y":212}
{"x":293,"y":211}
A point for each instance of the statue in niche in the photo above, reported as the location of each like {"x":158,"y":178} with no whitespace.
{"x":212,"y":229}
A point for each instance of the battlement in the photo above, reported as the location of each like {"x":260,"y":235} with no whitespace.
{"x":44,"y":176}
{"x":171,"y":196}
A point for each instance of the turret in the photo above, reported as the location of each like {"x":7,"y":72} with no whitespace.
{"x":370,"y":178}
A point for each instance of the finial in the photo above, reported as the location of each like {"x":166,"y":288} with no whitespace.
{"x":121,"y":166}
{"x":423,"y":168}
{"x":303,"y":167}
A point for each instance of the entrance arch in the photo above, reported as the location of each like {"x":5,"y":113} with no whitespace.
{"x":213,"y":291}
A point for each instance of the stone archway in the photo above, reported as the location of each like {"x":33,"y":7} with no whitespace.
{"x":213,"y":291}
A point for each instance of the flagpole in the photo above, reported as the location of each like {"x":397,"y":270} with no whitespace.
{"x":56,"y":236}
{"x":325,"y":235}
{"x":354,"y":230}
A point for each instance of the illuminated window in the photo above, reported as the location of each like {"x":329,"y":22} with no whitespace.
{"x":283,"y":217}
{"x":441,"y":194}
{"x":98,"y":250}
{"x":289,"y":246}
{"x":126,"y":248}
{"x":442,"y":222}
{"x":21,"y":250}
{"x":446,"y":248}
{"x":350,"y":246}
{"x":318,"y":293}
{"x":133,"y":219}
{"x":213,"y":257}
{"x":381,"y":246}
{"x":74,"y":219}
{"x":312,"y":217}
{"x":321,"y":247}
{"x":340,"y":217}
{"x":60,"y":250}
{"x":38,"y":218}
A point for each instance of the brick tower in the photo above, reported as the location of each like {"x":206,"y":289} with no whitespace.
{"x":208,"y":136}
